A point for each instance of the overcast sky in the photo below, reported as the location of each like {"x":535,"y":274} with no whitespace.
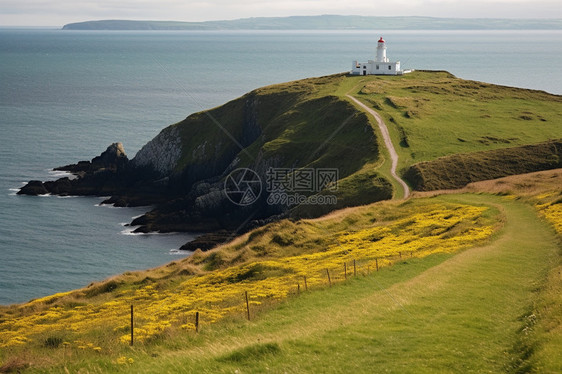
{"x":60,"y":12}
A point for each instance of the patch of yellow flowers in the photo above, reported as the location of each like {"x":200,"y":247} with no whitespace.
{"x":551,"y":210}
{"x":436,"y":228}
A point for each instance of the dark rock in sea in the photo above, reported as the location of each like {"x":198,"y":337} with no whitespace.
{"x":61,"y":187}
{"x":113,"y":159}
{"x":105,"y":174}
{"x":33,"y":188}
{"x":81,"y":166}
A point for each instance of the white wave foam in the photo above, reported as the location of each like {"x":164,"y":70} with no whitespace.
{"x":59,"y":173}
{"x":111,"y":206}
{"x":130,"y":231}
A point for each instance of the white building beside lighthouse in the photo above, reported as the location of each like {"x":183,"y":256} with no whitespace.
{"x":380,"y":66}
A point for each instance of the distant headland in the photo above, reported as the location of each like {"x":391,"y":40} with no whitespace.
{"x":327,"y":22}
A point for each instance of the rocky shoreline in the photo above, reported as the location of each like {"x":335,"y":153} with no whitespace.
{"x":113,"y":174}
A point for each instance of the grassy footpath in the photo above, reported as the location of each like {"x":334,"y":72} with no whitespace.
{"x":443,"y":313}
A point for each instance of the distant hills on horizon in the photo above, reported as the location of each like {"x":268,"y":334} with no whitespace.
{"x":328,"y":22}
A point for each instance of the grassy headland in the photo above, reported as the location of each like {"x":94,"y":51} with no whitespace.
{"x":429,"y":115}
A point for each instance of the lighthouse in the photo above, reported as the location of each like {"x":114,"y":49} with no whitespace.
{"x":381,"y":65}
{"x":381,"y":51}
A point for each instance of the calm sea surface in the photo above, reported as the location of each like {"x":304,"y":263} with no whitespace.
{"x":66,"y":95}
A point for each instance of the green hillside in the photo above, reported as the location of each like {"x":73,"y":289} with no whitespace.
{"x":433,"y":284}
{"x":472,"y":312}
{"x":310,"y":123}
{"x":462,"y":282}
{"x":429,"y":115}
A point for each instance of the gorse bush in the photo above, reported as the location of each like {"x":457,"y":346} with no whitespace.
{"x":163,"y":304}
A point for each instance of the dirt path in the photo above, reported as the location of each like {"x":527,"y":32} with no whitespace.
{"x":387,"y":143}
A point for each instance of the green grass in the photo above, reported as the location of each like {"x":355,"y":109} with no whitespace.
{"x":434,"y":114}
{"x":445,"y":313}
{"x":301,"y":124}
{"x":463,"y":312}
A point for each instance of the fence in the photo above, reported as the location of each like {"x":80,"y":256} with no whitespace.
{"x":326,"y":278}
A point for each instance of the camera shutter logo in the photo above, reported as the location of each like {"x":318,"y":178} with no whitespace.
{"x":243,"y":186}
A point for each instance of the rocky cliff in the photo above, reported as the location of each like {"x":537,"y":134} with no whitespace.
{"x":162,"y":153}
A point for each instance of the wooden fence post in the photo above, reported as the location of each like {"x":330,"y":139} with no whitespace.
{"x":329,"y":280}
{"x":132,"y":325}
{"x":298,"y":288}
{"x":196,"y":322}
{"x":247,"y":305}
{"x":377,"y":263}
{"x":345,"y":270}
{"x":305,"y":284}
{"x":354,"y":269}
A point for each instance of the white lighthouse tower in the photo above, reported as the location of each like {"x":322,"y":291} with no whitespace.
{"x":381,"y":51}
{"x":380,"y":65}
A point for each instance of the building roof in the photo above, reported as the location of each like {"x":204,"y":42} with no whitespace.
{"x":381,"y":40}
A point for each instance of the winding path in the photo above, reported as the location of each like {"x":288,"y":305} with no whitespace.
{"x":387,"y":143}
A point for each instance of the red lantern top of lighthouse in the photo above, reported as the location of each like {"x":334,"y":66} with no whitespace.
{"x":381,"y":40}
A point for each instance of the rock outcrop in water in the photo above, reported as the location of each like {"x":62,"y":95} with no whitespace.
{"x":101,"y":175}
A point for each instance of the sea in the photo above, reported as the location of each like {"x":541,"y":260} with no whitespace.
{"x":66,"y":95}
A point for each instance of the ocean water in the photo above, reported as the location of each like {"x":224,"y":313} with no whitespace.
{"x":66,"y":95}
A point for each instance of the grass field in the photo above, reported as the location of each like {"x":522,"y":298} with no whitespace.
{"x":456,"y":171}
{"x":493,"y":307}
{"x":434,"y":114}
{"x":462,"y":313}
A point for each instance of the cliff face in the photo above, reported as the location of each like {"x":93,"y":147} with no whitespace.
{"x":162,"y":153}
